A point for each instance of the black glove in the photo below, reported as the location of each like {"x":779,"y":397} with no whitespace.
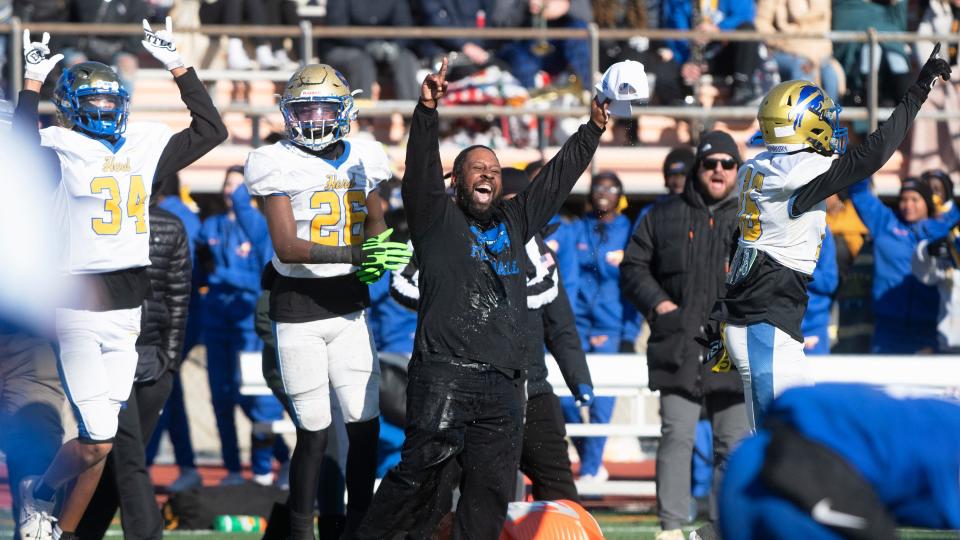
{"x":939,"y":249}
{"x":716,"y":357}
{"x":935,"y":68}
{"x":626,"y":346}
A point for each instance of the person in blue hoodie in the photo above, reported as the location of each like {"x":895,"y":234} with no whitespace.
{"x":826,"y":279}
{"x":905,"y":310}
{"x":174,"y":417}
{"x":233,"y":262}
{"x":845,"y":461}
{"x":607,"y":322}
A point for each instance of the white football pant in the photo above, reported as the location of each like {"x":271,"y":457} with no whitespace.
{"x":317,"y":355}
{"x":769,"y":362}
{"x":97,"y":361}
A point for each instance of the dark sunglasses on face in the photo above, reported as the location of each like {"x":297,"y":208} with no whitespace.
{"x":727,"y":164}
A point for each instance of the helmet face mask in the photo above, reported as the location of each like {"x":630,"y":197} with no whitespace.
{"x":317,"y":107}
{"x":89,"y":97}
{"x":798,"y":115}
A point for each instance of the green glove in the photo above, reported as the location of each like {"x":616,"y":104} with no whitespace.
{"x":380,"y":255}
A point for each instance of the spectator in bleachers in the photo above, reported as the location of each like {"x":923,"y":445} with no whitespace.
{"x":905,"y":309}
{"x":363,"y":60}
{"x":471,"y":52}
{"x":121,"y":52}
{"x":233,"y":262}
{"x":807,"y":59}
{"x":937,"y":144}
{"x":527,"y":58}
{"x":174,"y":418}
{"x":607,"y":322}
{"x":240,"y":12}
{"x":676,"y":166}
{"x":657,"y":60}
{"x":282,"y":12}
{"x":736,"y":59}
{"x":816,"y":321}
{"x":941,"y":186}
{"x":894,"y":66}
{"x":673,"y":271}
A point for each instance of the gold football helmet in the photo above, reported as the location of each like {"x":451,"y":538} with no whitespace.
{"x":91,"y":97}
{"x":317,"y":106}
{"x":798,"y":114}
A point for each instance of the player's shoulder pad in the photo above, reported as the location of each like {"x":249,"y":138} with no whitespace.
{"x":263,"y":171}
{"x":374,"y":157}
{"x":55,"y":136}
{"x":151,"y":133}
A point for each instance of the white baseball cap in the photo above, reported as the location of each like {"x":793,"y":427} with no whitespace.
{"x":621,"y":85}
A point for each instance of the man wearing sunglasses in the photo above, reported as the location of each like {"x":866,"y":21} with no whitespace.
{"x":673,"y":270}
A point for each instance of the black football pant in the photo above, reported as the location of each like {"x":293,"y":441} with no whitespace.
{"x":126,"y":480}
{"x":469,"y":412}
{"x":544,"y":458}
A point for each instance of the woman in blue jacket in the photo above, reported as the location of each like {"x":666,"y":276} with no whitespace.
{"x":607,"y":322}
{"x":905,"y":310}
{"x":233,"y":261}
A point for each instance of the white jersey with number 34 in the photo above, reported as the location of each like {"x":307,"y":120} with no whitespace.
{"x":102,"y":199}
{"x":329,"y":198}
{"x":767,"y":186}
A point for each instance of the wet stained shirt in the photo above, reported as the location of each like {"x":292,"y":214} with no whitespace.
{"x":473,"y":297}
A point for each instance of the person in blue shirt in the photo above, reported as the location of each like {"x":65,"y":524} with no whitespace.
{"x":739,"y":59}
{"x":826,"y":279}
{"x":607,"y":322}
{"x":905,"y":310}
{"x":233,"y":261}
{"x":174,"y":417}
{"x":844,"y":461}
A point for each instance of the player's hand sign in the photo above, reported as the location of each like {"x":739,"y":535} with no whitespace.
{"x":37,"y":65}
{"x":161,"y":45}
{"x":434,"y":86}
{"x":935,"y":68}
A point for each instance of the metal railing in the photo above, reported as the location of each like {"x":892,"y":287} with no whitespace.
{"x":307,"y":32}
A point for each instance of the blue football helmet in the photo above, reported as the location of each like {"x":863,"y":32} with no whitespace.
{"x":90,"y":97}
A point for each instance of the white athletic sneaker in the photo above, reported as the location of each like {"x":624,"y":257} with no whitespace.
{"x":283,"y":477}
{"x":233,"y":479}
{"x":601,"y":476}
{"x":36,"y":516}
{"x":189,"y":478}
{"x":671,"y":534}
{"x":265,"y":57}
{"x":236,"y":55}
{"x":283,"y":62}
{"x":265,"y":479}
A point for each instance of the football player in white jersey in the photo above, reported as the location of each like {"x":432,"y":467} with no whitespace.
{"x":326,"y":222}
{"x":782,"y":223}
{"x":103,"y":171}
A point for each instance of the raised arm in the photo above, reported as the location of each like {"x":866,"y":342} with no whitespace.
{"x":543,"y":199}
{"x":424,"y":194}
{"x":867,"y":158}
{"x":26,"y":122}
{"x":206,"y":128}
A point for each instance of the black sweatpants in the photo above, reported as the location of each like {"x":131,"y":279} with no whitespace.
{"x":544,"y":458}
{"x":469,"y":412}
{"x":126,"y":481}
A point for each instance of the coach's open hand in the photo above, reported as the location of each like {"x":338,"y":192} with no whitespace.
{"x":434,"y":86}
{"x":599,"y":113}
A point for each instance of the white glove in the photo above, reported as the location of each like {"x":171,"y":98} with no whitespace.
{"x":160,"y":44}
{"x":36,"y":64}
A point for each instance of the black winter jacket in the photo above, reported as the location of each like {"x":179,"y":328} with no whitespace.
{"x":164,"y":318}
{"x":680,"y":251}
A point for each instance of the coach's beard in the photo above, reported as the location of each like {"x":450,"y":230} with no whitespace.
{"x":475,"y":204}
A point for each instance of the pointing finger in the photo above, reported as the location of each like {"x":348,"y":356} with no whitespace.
{"x":46,"y":38}
{"x":146,"y":27}
{"x":169,"y":25}
{"x":443,"y":69}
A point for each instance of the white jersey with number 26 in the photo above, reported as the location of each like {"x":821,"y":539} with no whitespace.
{"x":102,"y":199}
{"x":329,"y":198}
{"x":767,"y":186}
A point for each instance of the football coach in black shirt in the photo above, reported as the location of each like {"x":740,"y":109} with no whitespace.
{"x":465,"y":396}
